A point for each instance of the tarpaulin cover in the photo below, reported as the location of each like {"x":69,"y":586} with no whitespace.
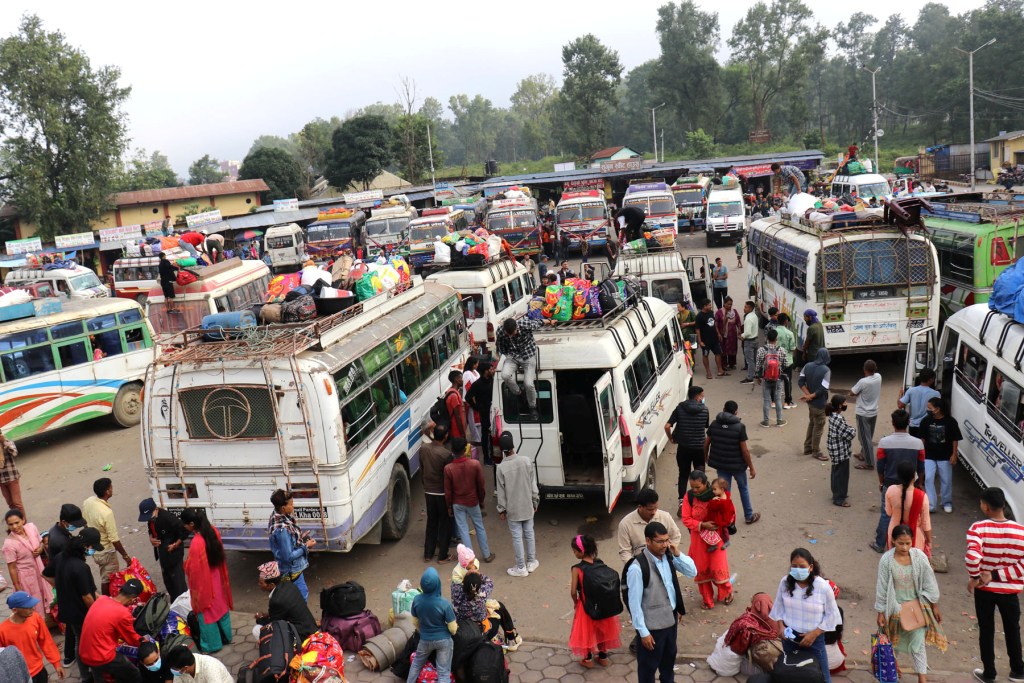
{"x":1008,"y":292}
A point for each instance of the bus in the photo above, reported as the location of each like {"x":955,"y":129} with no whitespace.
{"x":691,"y":195}
{"x":475,"y":209}
{"x":977,"y":364}
{"x":329,"y":409}
{"x":516,"y":221}
{"x":583,"y":215}
{"x":135,"y":276}
{"x":976,"y":239}
{"x":871,"y":282}
{"x":657,"y":202}
{"x":231,"y":285}
{"x":335,"y":231}
{"x":430,"y":227}
{"x":77,"y":282}
{"x":85,"y":361}
{"x":387,"y":230}
{"x":605,"y":390}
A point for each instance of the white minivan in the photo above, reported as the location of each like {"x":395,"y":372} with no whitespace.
{"x":286,"y":247}
{"x":490,"y":293}
{"x":726,"y":216}
{"x":863,"y":185}
{"x":75,"y":283}
{"x":666,"y":275}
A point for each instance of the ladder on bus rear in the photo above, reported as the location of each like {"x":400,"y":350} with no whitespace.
{"x":834,"y":308}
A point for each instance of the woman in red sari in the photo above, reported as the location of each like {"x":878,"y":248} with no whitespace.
{"x":728,"y":324}
{"x":712,"y":565}
{"x":207,"y":573}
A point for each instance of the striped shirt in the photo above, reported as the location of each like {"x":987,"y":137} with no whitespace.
{"x":997,"y":547}
{"x":804,"y":613}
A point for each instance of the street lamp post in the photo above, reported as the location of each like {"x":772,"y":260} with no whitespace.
{"x":654,"y":129}
{"x":970,"y":86}
{"x":874,"y":111}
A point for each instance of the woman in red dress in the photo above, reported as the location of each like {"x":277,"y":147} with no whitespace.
{"x":207,"y":572}
{"x":712,"y":565}
{"x":589,"y":636}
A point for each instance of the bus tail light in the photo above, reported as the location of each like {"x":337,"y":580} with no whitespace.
{"x":627,"y":450}
{"x":1000,"y":255}
{"x":490,"y":332}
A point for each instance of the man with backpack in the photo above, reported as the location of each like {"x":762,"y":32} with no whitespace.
{"x":655,"y":602}
{"x":771,"y":359}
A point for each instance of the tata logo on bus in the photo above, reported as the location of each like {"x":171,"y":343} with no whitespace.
{"x":996,"y":452}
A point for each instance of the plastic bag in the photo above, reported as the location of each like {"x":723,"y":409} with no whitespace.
{"x":723,"y":660}
{"x":401,"y":267}
{"x":800,"y":202}
{"x":364,"y":288}
{"x":563,"y":311}
{"x":135,"y":570}
{"x":182,"y":604}
{"x":442,"y":253}
{"x":535,"y":309}
{"x":18,"y":296}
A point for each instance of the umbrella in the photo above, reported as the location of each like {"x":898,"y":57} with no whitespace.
{"x":249,"y":234}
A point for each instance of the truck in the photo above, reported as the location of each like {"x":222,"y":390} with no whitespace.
{"x":516,"y":220}
{"x":691,"y":195}
{"x":387,"y":228}
{"x":286,"y":247}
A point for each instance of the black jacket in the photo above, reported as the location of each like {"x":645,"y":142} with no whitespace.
{"x":689,"y":424}
{"x":168,"y":529}
{"x":726,"y":434}
{"x":286,"y":603}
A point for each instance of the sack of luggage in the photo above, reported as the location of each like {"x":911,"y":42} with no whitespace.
{"x":608,"y":296}
{"x":279,"y":642}
{"x":602,"y":591}
{"x":800,"y":667}
{"x":487,"y":665}
{"x":299,"y":310}
{"x":151,"y":617}
{"x":270,"y":313}
{"x":185,"y":277}
{"x":321,"y":655}
{"x":343,"y":599}
{"x":352,"y":631}
{"x":468,"y":637}
{"x":764,"y":653}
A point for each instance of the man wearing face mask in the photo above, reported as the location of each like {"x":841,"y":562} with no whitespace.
{"x":151,"y":665}
{"x":687,"y":427}
{"x":167,"y":536}
{"x":76,"y":590}
{"x":198,"y":668}
{"x":59,"y":536}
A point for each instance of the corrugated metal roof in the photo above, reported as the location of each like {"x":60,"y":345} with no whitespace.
{"x":606,"y":152}
{"x":264,"y":219}
{"x":177,"y":194}
{"x":1012,"y":135}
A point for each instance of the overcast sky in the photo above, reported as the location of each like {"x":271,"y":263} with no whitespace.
{"x":211,"y":76}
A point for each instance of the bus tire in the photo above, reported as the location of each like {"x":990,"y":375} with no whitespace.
{"x":396,"y":516}
{"x":127,"y":409}
{"x":651,"y":478}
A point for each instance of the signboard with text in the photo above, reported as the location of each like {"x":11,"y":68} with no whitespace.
{"x":363,"y":197}
{"x":25,"y":246}
{"x":121,"y":233}
{"x":443,"y":190}
{"x":583,"y":184}
{"x":622,"y":165}
{"x":760,"y":137}
{"x":78,"y":239}
{"x":286,"y":205}
{"x":206,"y":218}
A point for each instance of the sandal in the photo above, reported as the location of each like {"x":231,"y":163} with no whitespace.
{"x":863,"y":466}
{"x":844,"y":504}
{"x":446,"y":560}
{"x":728,"y":600}
{"x":707,"y":608}
{"x":822,"y":457}
{"x":859,"y":456}
{"x":587,"y":663}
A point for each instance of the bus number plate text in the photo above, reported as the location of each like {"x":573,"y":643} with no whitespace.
{"x":310,"y":513}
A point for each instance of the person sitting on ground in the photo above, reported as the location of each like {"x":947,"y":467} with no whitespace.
{"x":470,"y":590}
{"x":196,"y":668}
{"x":107,"y":623}
{"x":153,"y":667}
{"x":285,"y":601}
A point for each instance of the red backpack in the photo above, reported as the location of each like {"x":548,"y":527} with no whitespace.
{"x":772,"y":366}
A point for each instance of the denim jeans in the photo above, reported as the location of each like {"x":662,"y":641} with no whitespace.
{"x":529,"y":367}
{"x":771,"y":392}
{"x":741,"y":482}
{"x":300,"y":583}
{"x":817,"y":649}
{"x":461,"y":523}
{"x":444,"y":649}
{"x":945,"y":471}
{"x":787,"y":382}
{"x":882,"y":532}
{"x":522,"y":535}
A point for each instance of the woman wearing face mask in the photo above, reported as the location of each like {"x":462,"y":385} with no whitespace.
{"x":907,"y":600}
{"x":805,"y":609}
{"x":154,"y":669}
{"x":907,"y":504}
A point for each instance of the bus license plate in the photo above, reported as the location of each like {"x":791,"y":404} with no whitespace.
{"x":309,"y":513}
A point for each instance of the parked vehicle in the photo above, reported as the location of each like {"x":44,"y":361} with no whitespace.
{"x":726,"y":217}
{"x":864,"y":185}
{"x":583,"y":215}
{"x":691,"y":197}
{"x":134,"y":277}
{"x":516,"y":221}
{"x":474,"y":207}
{"x":657,"y":201}
{"x":38,"y":290}
{"x":430,"y":227}
{"x":387,"y":230}
{"x":335,"y":232}
{"x":77,"y":283}
{"x":662,"y":273}
{"x":285,"y":245}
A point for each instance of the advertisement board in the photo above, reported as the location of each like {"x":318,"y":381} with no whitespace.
{"x":622,"y":165}
{"x":78,"y":239}
{"x":363,"y":197}
{"x":206,"y":218}
{"x":286,"y":205}
{"x":25,"y":246}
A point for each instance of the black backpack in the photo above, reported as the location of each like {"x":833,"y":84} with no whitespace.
{"x":468,"y":637}
{"x":439,"y":414}
{"x":487,"y":665}
{"x":645,"y":571}
{"x":279,"y":642}
{"x":602,"y":591}
{"x":343,"y":600}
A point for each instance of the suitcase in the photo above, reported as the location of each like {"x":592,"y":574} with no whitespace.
{"x":223,"y":326}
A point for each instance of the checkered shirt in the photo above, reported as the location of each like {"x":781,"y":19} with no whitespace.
{"x":804,"y":614}
{"x":8,"y":472}
{"x":522,"y":347}
{"x":840,"y":439}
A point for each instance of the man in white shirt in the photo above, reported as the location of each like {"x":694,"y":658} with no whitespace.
{"x":631,"y":528}
{"x":197,"y":668}
{"x":867,"y":392}
{"x":749,"y":336}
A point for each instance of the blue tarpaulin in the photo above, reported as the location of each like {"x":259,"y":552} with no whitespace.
{"x":1008,"y":292}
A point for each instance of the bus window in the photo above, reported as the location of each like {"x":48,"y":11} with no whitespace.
{"x":409,"y":374}
{"x":500,"y":298}
{"x":663,"y":350}
{"x":515,"y":410}
{"x":427,"y":363}
{"x":109,"y":342}
{"x":1004,"y":403}
{"x":473,"y":306}
{"x":72,"y":354}
{"x":385,"y":396}
{"x":359,"y":419}
{"x":640,"y":377}
{"x":669,"y":291}
{"x":20,"y":339}
{"x":135,"y":338}
{"x":27,"y":362}
{"x":970,"y":372}
{"x":609,"y":415}
{"x":515,"y":289}
{"x":103,"y":322}
{"x":944,"y":382}
{"x":131,"y":316}
{"x":66,"y":330}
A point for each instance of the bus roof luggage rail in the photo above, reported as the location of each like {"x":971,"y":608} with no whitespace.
{"x":1002,"y":336}
{"x":985,"y":324}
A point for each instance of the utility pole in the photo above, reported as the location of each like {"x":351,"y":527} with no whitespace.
{"x":654,"y":129}
{"x":663,"y":145}
{"x":430,"y":153}
{"x":970,"y":80}
{"x":874,"y":111}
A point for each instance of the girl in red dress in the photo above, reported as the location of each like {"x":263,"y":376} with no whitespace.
{"x":589,"y":636}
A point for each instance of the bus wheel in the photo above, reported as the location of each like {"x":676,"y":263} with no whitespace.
{"x":651,"y":480}
{"x":396,"y":516}
{"x":128,"y":405}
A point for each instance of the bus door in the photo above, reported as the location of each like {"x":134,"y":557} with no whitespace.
{"x":921,"y":354}
{"x":699,"y":272}
{"x":608,"y":416}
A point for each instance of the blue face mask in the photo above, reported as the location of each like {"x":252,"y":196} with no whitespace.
{"x":800,"y":573}
{"x":155,"y":666}
{"x":175,"y":673}
{"x":72,"y":528}
{"x":90,"y":551}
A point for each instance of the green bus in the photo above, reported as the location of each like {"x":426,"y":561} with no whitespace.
{"x":975,"y":236}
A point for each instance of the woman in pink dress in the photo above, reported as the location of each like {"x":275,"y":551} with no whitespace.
{"x":207,"y":573}
{"x":712,"y":565}
{"x":907,"y":504}
{"x":22,"y":549}
{"x":728,"y":325}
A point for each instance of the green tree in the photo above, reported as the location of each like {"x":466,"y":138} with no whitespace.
{"x":148,"y":172}
{"x":204,"y":171}
{"x":475,"y":126}
{"x":361,"y":148}
{"x":631,"y":126}
{"x":313,"y":149}
{"x":700,"y":145}
{"x":591,"y":71}
{"x":531,"y":104}
{"x":278,"y":169}
{"x":412,"y":151}
{"x":273,"y":142}
{"x":63,"y":130}
{"x":774,"y":42}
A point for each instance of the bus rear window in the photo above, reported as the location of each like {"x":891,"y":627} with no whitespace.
{"x":473,"y":306}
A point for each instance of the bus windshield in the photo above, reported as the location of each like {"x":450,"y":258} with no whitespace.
{"x":326,"y":233}
{"x":874,"y":190}
{"x":688,"y":196}
{"x":386,"y":226}
{"x":429,"y":232}
{"x":654,"y":206}
{"x":87,"y":281}
{"x":725,"y":209}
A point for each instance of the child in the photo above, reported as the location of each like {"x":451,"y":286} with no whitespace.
{"x":840,"y":448}
{"x":722,"y":512}
{"x":589,"y":635}
{"x":435,"y":620}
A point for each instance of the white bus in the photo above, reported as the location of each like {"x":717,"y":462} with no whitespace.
{"x":74,"y":283}
{"x":329,"y":409}
{"x":871,"y":283}
{"x":657,"y":201}
{"x":86,"y":361}
{"x":605,"y":390}
{"x":230,"y":285}
{"x":977,"y":364}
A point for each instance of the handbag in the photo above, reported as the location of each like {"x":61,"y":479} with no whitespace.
{"x":911,"y":615}
{"x":883,"y":659}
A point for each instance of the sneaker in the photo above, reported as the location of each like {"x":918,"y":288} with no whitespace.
{"x":879,"y":549}
{"x":764,"y":423}
{"x":532,"y":565}
{"x":949,"y":508}
{"x":1016,"y":677}
{"x":489,"y":558}
{"x":514,"y":644}
{"x":773,"y":404}
{"x":67,"y":662}
{"x":518,"y":571}
{"x":782,"y":423}
{"x":979,"y":674}
{"x":746,"y":381}
{"x":788,"y":406}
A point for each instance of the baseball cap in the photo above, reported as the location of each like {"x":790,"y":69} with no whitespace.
{"x":20,"y":599}
{"x":91,"y":537}
{"x":132,"y":588}
{"x":72,"y":514}
{"x":146,"y":508}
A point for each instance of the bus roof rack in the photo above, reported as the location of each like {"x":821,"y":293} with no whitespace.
{"x":904,"y":214}
{"x":278,"y":340}
{"x":997,"y":211}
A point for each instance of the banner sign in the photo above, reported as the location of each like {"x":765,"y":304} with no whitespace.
{"x":78,"y":239}
{"x":120,"y":234}
{"x":363,"y":197}
{"x":25,"y":246}
{"x":206,"y":218}
{"x":443,"y":190}
{"x":647,"y":187}
{"x":622,"y":165}
{"x":583,"y":184}
{"x":286,"y":205}
{"x":154,"y":228}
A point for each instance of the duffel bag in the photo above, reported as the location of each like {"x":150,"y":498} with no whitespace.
{"x":343,"y":599}
{"x":799,"y":667}
{"x":353,"y":631}
{"x":299,"y":310}
{"x":487,"y":665}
